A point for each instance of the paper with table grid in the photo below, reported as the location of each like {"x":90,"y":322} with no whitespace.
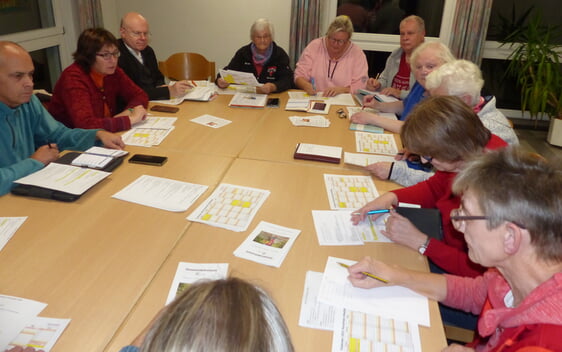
{"x":230,"y":207}
{"x":349,"y":191}
{"x":375,"y":143}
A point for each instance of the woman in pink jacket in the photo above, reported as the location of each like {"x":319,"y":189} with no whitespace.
{"x":332,"y":64}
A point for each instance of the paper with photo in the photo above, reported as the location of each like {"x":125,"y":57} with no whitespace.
{"x":41,"y":333}
{"x":268,"y":244}
{"x":360,"y":159}
{"x":349,"y":191}
{"x":8,"y":227}
{"x":311,"y":121}
{"x":314,"y":314}
{"x":15,"y":314}
{"x":394,"y":302}
{"x":161,"y":193}
{"x":365,"y":332}
{"x":334,"y":228}
{"x":65,"y":178}
{"x":211,"y":121}
{"x":189,"y":273}
{"x":230,"y":207}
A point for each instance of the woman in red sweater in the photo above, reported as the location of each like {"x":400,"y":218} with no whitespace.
{"x":94,"y":92}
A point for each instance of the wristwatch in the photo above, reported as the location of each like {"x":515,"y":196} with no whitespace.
{"x":423,"y":247}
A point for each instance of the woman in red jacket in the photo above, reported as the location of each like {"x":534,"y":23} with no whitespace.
{"x":94,"y":92}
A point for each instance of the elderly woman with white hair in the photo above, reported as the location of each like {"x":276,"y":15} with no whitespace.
{"x":264,"y":59}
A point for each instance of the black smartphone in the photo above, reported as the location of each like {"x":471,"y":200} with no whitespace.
{"x":273,"y":102}
{"x":163,"y":108}
{"x":148,"y":159}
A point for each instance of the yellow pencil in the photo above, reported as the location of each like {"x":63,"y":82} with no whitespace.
{"x":366,"y":274}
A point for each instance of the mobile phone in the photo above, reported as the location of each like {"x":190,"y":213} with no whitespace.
{"x":273,"y":102}
{"x":163,"y":108}
{"x":148,"y":159}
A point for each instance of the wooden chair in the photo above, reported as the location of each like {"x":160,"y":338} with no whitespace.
{"x":180,"y":66}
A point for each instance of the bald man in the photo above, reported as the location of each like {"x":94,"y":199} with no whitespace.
{"x":139,"y":61}
{"x":30,"y":137}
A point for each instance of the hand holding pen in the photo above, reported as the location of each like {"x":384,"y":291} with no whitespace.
{"x":313,"y":87}
{"x":46,"y":153}
{"x":369,"y":273}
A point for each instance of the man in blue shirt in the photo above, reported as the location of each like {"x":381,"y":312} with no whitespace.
{"x":30,"y":137}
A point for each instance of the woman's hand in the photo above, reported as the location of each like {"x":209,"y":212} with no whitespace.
{"x":400,"y":230}
{"x":137,"y":115}
{"x":380,"y":170}
{"x":222,"y":83}
{"x":386,"y":201}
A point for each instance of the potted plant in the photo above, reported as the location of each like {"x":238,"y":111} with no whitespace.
{"x":535,"y":63}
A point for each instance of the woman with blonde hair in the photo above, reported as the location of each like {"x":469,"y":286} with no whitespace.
{"x":228,"y":315}
{"x":332,"y":64}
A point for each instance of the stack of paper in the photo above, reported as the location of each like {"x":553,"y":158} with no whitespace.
{"x":375,"y":143}
{"x":97,"y":157}
{"x":268,"y":244}
{"x":240,"y":78}
{"x":311,"y":121}
{"x":360,"y":159}
{"x":205,"y":92}
{"x":248,"y":100}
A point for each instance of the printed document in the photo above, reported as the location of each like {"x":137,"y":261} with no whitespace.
{"x":156,"y":122}
{"x":146,"y":137}
{"x":238,"y":77}
{"x":230,"y":207}
{"x":8,"y":227}
{"x":211,"y":121}
{"x":189,"y":273}
{"x":15,"y":314}
{"x":314,"y":314}
{"x":394,"y":302}
{"x":360,"y":332}
{"x":41,"y":333}
{"x":161,"y":193}
{"x":310,"y":121}
{"x":349,"y":191}
{"x":376,"y":143}
{"x":365,"y":159}
{"x":97,"y":157}
{"x":268,"y":244}
{"x":334,"y":228}
{"x":340,"y":99}
{"x":65,"y":178}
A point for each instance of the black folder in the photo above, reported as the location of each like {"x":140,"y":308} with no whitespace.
{"x":427,"y":220}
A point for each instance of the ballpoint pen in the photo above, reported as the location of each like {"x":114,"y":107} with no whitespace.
{"x":373,"y":212}
{"x":366,"y":274}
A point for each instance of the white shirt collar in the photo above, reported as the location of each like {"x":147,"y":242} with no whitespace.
{"x":136,"y":54}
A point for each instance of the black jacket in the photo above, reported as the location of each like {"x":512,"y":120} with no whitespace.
{"x":276,"y":70}
{"x":147,"y":76}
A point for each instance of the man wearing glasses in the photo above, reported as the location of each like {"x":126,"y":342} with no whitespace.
{"x":138,"y":60}
{"x":510,"y":219}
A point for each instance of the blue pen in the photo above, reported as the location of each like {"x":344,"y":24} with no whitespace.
{"x":373,"y":212}
{"x":313,"y":83}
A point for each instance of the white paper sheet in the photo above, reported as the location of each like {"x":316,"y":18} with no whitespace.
{"x":268,"y":244}
{"x":211,"y":121}
{"x":230,"y":207}
{"x":156,"y":122}
{"x":360,"y":159}
{"x":346,"y":192}
{"x":334,"y":228}
{"x":8,"y":227}
{"x":15,"y":314}
{"x":310,"y":121}
{"x":66,"y":178}
{"x":189,"y":273}
{"x":375,"y":143}
{"x":314,"y":314}
{"x":238,"y":77}
{"x":365,"y":333}
{"x":146,"y":137}
{"x":161,"y":193}
{"x":394,"y":302}
{"x":248,"y":100}
{"x":41,"y":333}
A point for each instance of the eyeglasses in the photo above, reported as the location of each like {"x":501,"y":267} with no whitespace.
{"x":136,"y":34}
{"x":107,"y":56}
{"x":458,"y":219}
{"x":338,"y":41}
{"x":427,"y":158}
{"x":341,"y":114}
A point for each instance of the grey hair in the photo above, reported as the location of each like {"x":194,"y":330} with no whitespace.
{"x":419,"y":21}
{"x":512,"y":185}
{"x":459,"y":78}
{"x":342,"y":23}
{"x":262,"y":24}
{"x":443,"y":52}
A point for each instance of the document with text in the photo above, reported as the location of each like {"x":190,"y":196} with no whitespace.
{"x":189,"y":273}
{"x":8,"y":227}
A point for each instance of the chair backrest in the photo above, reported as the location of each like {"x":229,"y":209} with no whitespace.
{"x":180,"y":66}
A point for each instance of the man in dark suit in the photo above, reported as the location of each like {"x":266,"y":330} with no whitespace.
{"x":139,"y":61}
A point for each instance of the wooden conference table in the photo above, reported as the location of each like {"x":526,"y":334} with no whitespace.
{"x":108,"y":264}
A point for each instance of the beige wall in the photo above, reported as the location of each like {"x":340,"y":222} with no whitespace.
{"x":214,"y":28}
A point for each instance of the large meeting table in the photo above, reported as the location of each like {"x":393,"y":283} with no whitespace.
{"x":108,"y":264}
